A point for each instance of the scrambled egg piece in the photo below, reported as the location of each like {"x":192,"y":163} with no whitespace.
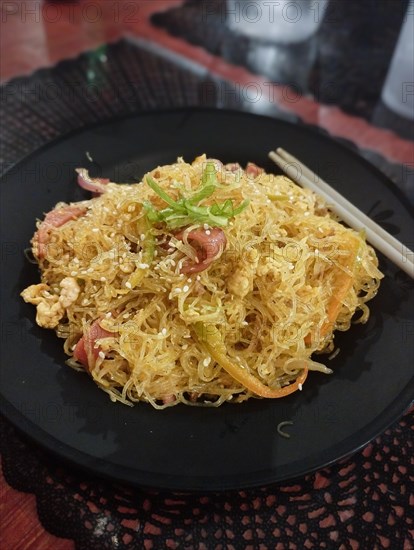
{"x":269,"y":266}
{"x":70,"y":291}
{"x":51,"y":308}
{"x":240,"y":282}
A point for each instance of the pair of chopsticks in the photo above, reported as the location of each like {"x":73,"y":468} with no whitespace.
{"x":393,"y":249}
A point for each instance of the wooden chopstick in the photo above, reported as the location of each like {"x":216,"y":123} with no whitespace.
{"x":392,"y":248}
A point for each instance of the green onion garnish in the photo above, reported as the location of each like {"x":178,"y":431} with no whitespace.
{"x":189,"y":210}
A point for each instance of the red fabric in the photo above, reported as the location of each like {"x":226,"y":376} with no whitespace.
{"x":38,"y":34}
{"x":361,"y":502}
{"x":20,"y":528}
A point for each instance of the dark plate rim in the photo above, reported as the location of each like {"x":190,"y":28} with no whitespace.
{"x":311,"y":129}
{"x":99,"y":468}
{"x":137,"y":478}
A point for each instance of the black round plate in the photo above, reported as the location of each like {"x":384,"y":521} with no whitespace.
{"x":187,"y":448}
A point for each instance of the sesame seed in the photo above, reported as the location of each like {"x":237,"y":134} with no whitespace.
{"x":245,"y":323}
{"x":142,"y":237}
{"x":164,"y":331}
{"x":143,"y":266}
{"x":95,"y":230}
{"x":126,"y":315}
{"x":101,"y":355}
{"x":181,"y":275}
{"x":300,"y":387}
{"x":128,"y":284}
{"x":74,"y":273}
{"x":85,"y":301}
{"x":186,"y":288}
{"x":75,"y":260}
{"x":90,"y":270}
{"x":207,"y":361}
{"x":109,"y":314}
{"x":103,"y":279}
{"x":208,"y":232}
{"x":184,"y":346}
{"x":189,"y":280}
{"x":206,"y":226}
{"x":170,"y":250}
{"x":198,"y":278}
{"x":268,"y":201}
{"x":177,"y":290}
{"x":84,"y":272}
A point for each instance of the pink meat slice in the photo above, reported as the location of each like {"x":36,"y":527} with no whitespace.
{"x":55,"y":218}
{"x":95,"y":185}
{"x":86,"y":344}
{"x":253,"y":170}
{"x":209,"y":246}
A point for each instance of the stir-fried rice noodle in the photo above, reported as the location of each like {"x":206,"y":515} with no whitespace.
{"x":285,"y":275}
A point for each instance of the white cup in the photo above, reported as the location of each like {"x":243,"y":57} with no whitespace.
{"x":277,"y":21}
{"x":398,"y":90}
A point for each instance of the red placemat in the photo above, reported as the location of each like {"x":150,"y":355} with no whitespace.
{"x":363,"y":502}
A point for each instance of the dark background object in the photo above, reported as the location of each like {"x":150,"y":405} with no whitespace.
{"x":344,"y":64}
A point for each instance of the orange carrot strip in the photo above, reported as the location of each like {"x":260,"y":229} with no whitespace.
{"x":211,"y":339}
{"x":343,"y":285}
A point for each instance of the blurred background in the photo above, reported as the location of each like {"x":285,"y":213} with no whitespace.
{"x":343,"y":66}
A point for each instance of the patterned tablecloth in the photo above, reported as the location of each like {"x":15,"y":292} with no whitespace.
{"x":185,"y":55}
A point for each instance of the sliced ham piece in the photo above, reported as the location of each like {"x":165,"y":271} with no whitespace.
{"x":232,"y":166}
{"x":167,"y":399}
{"x":86,"y":344}
{"x":53,"y":219}
{"x":209,"y":245}
{"x":94,"y":185}
{"x":253,"y":170}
